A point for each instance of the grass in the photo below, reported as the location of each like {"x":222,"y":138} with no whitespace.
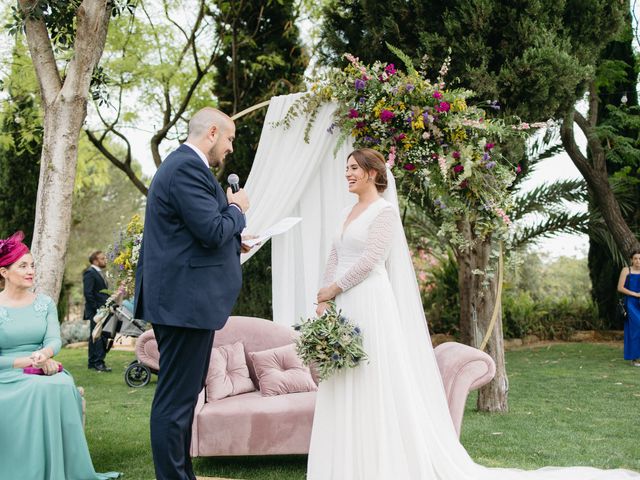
{"x":570,"y":404}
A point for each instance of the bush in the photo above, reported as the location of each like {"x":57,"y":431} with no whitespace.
{"x":72,"y":332}
{"x":536,"y":300}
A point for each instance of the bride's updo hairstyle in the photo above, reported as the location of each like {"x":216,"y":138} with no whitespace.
{"x":371,"y":160}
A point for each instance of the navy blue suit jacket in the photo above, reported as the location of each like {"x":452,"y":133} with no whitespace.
{"x":188,"y":273}
{"x":94,"y":297}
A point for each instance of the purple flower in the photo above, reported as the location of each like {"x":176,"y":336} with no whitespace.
{"x":456,"y":155}
{"x":390,"y":69}
{"x":386,"y":115}
{"x":410,"y":167}
{"x":486,"y":156}
{"x":357,"y":331}
{"x":458,"y":169}
{"x":409,"y":87}
{"x":362,"y":100}
{"x":361,"y":125}
{"x":490,"y":165}
{"x":360,"y":84}
{"x":353,"y":113}
{"x":335,"y":357}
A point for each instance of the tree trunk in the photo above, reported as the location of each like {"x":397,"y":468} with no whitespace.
{"x":594,"y":171}
{"x":62,"y":123}
{"x":65,"y":108}
{"x":477,"y":303}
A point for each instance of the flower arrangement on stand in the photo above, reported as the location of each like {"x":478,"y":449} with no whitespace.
{"x":123,"y":255}
{"x":428,"y":132}
{"x":330,"y":342}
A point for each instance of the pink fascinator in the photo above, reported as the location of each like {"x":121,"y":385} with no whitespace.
{"x":12,"y":249}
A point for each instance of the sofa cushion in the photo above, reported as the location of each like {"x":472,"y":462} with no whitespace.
{"x":280,"y":370}
{"x":228,"y":374}
{"x":251,"y":424}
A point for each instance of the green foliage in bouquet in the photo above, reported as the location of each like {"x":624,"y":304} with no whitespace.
{"x":431,"y":135}
{"x":330,"y":342}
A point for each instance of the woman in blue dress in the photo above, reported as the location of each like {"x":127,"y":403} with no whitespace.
{"x":629,"y":285}
{"x":41,"y":434}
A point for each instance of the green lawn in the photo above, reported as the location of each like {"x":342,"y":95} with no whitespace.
{"x":570,"y":404}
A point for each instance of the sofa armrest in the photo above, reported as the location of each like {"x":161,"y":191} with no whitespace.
{"x":194,"y":426}
{"x":147,"y":350}
{"x":463,"y":369}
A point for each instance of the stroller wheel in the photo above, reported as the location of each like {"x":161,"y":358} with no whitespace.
{"x":137,"y":375}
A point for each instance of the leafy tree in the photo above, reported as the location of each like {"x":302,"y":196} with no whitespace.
{"x":262,"y":56}
{"x":65,"y":40}
{"x":20,"y":145}
{"x":619,"y":129}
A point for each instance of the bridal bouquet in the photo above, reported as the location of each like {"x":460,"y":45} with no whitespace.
{"x":330,"y":342}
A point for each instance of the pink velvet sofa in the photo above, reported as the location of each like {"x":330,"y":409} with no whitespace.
{"x":252,"y":424}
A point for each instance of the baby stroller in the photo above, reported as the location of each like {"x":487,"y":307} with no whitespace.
{"x":120,"y":321}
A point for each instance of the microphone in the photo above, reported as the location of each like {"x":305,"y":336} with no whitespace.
{"x":234,"y":182}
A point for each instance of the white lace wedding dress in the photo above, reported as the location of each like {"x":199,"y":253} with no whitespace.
{"x":388,"y":419}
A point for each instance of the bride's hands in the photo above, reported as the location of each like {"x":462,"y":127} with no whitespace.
{"x":328,"y":293}
{"x":320,"y":309}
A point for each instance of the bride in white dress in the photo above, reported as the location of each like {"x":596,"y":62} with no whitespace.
{"x":388,"y":419}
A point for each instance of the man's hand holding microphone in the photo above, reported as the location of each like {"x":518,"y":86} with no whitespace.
{"x":238,"y":197}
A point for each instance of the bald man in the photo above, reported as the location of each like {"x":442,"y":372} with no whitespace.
{"x":188,"y":278}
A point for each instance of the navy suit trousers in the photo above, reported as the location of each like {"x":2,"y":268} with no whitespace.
{"x":184,"y":362}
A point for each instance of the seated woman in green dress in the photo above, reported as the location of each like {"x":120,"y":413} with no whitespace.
{"x":41,"y":434}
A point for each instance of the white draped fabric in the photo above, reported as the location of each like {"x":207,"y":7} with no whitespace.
{"x":292,"y":178}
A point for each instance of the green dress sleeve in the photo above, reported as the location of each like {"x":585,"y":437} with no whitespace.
{"x":52,"y":334}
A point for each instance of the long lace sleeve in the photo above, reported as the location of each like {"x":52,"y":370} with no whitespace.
{"x":377,"y":248}
{"x":330,"y":268}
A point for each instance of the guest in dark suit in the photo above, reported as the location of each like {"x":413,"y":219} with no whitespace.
{"x":94,"y":283}
{"x":188,"y":278}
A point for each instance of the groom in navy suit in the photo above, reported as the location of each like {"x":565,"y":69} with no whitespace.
{"x":188,"y":279}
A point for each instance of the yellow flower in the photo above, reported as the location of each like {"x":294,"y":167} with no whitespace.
{"x":418,"y":123}
{"x":458,"y":135}
{"x":458,"y":105}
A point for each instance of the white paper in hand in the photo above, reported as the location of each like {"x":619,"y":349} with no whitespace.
{"x":276,"y":229}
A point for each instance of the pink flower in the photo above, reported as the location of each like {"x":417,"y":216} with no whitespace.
{"x":410,"y":167}
{"x":399,"y":138}
{"x":489,"y":146}
{"x":456,"y":155}
{"x":386,"y":115}
{"x":361,"y":125}
{"x":437,"y":95}
{"x":458,"y":169}
{"x":390,"y":69}
{"x":391,"y":161}
{"x":443,"y":107}
{"x":422,"y":276}
{"x":518,"y":169}
{"x":353,"y":113}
